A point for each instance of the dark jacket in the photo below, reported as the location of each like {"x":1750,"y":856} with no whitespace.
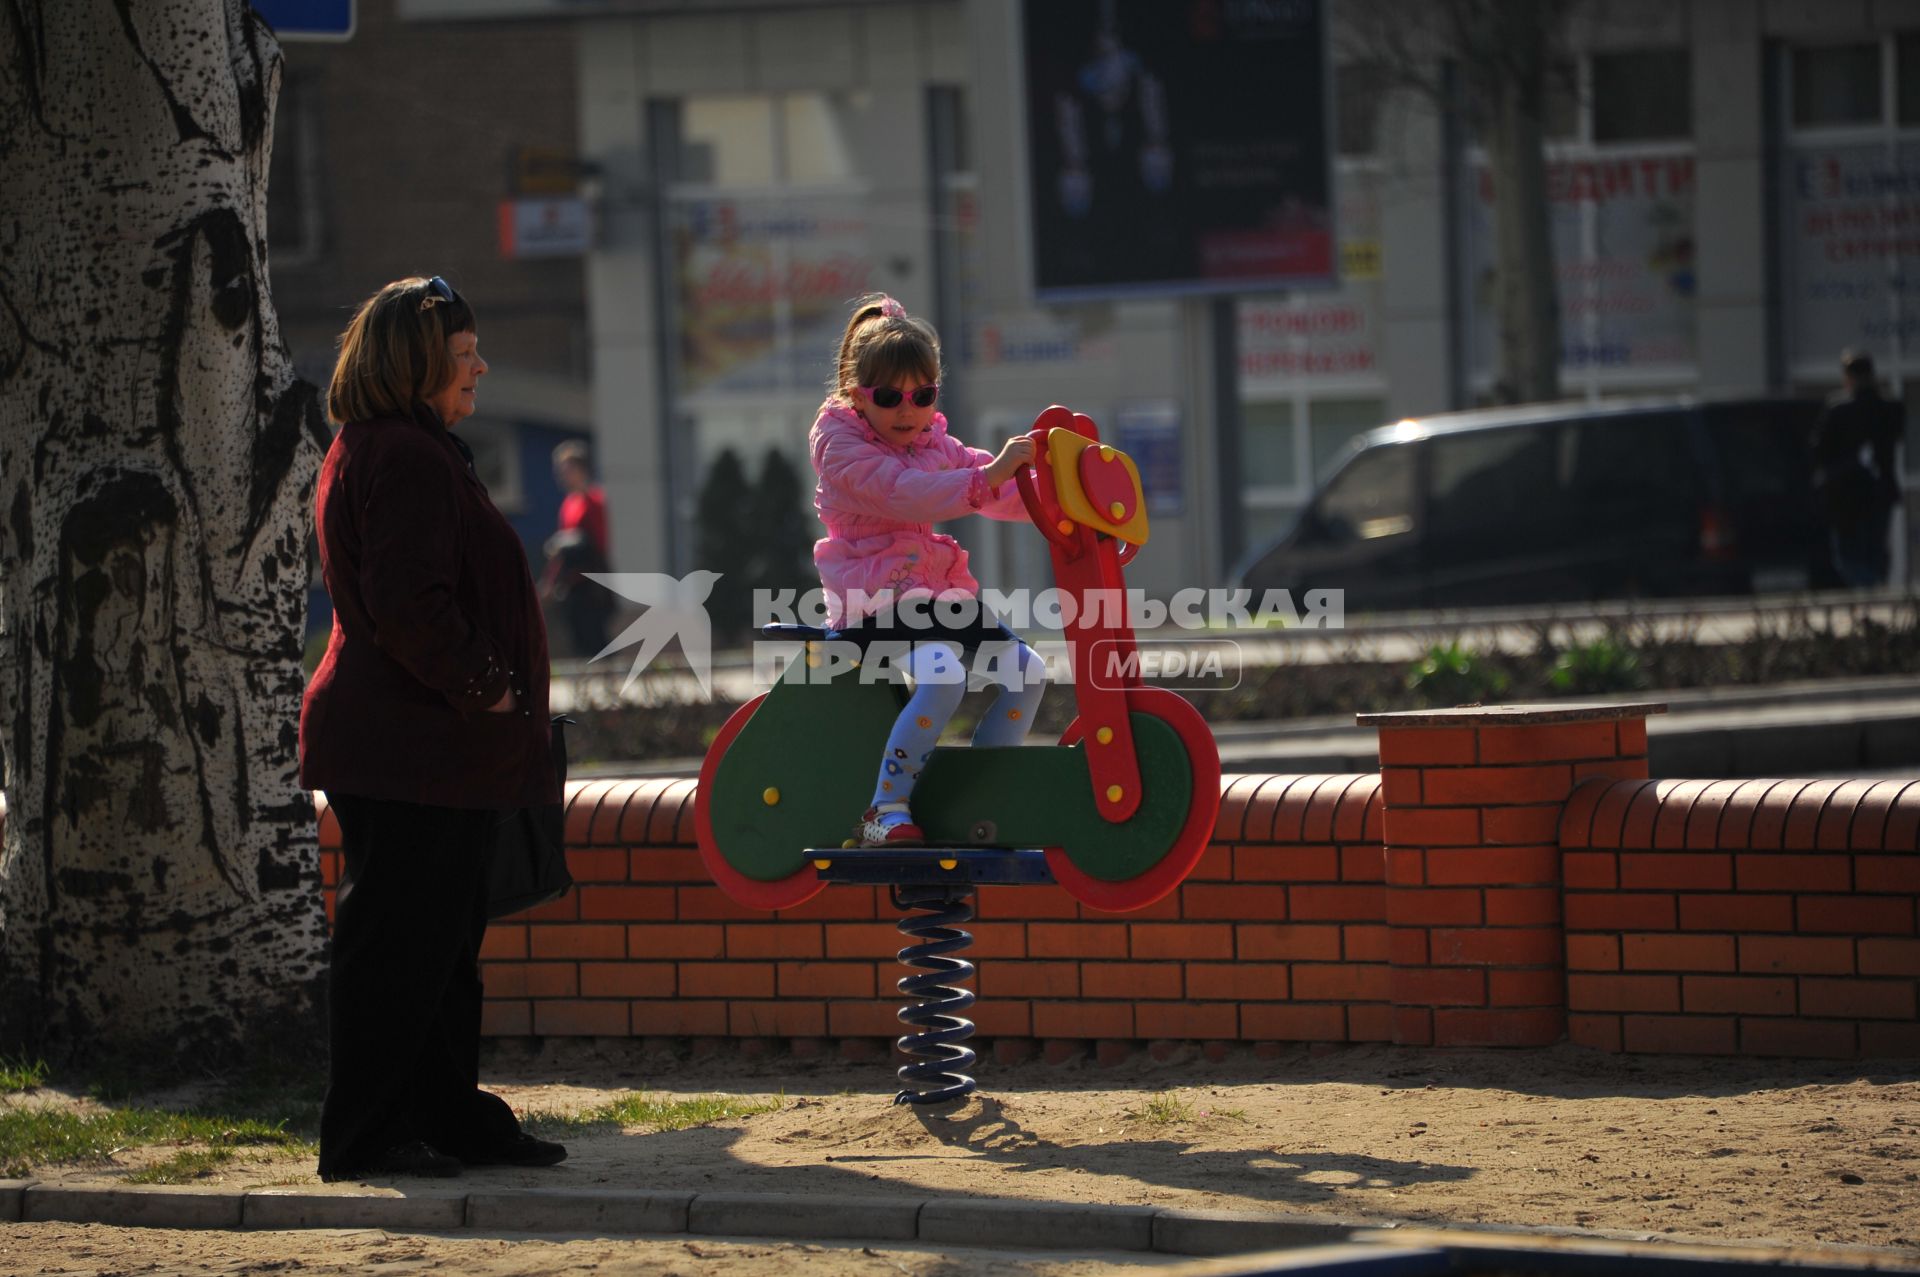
{"x":434,"y":615}
{"x":1854,"y":455}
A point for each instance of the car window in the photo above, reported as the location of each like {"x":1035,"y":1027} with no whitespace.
{"x":1493,"y":478}
{"x":1643,"y":459}
{"x":1762,"y":448}
{"x":1371,"y":498}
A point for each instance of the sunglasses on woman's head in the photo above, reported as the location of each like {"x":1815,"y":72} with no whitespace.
{"x":890,"y":396}
{"x":438,"y":290}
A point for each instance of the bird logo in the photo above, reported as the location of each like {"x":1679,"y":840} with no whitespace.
{"x":676,"y":608}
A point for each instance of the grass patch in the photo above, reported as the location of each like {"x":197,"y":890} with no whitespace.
{"x":1166,"y":1109}
{"x":38,"y":1137}
{"x":659,"y":1112}
{"x":184,"y":1167}
{"x":18,"y":1073}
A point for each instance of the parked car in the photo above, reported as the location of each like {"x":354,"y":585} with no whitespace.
{"x":1560,"y":502}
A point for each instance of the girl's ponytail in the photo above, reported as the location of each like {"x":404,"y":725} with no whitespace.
{"x":880,"y":326}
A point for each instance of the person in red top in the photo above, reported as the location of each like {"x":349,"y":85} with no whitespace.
{"x":426,"y":718}
{"x":579,"y":545}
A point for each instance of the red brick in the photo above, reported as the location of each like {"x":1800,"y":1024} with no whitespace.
{"x":1432,"y":827}
{"x":597,"y":864}
{"x":1597,"y":870}
{"x":1233,"y":900}
{"x":565,"y":909}
{"x":1370,"y":1022}
{"x":1796,"y":955}
{"x":1496,"y":786}
{"x":1341,"y":982}
{"x":1497,"y":866}
{"x":1237,"y":982}
{"x":1439,"y":986}
{"x":1365,"y":942}
{"x":680,"y":1019}
{"x":1021,"y":979}
{"x":1736,"y":913}
{"x":1286,"y":941}
{"x":626,"y":904}
{"x":1406,"y":867}
{"x":1286,"y":864}
{"x":1632,"y":736}
{"x":1077,"y":940}
{"x":1899,"y":1040}
{"x":506,"y":1019}
{"x":871,"y":940}
{"x":1193,"y":1021}
{"x":774,"y":940}
{"x":1215,"y":865}
{"x":1675,"y":870}
{"x":839,"y":904}
{"x":530,"y":979}
{"x":1521,"y":1026}
{"x":1292,"y":1022}
{"x":826,"y":979}
{"x":1364,"y":903}
{"x":1792,"y":872}
{"x":1001,"y":1018}
{"x":1619,"y":912}
{"x":1083,"y":1020}
{"x":1855,"y":915}
{"x":866,"y":1020}
{"x":1593,"y":953}
{"x":1738,"y":994}
{"x":1542,"y":742}
{"x":1620,"y":769}
{"x":1165,"y":909}
{"x":577,"y":940}
{"x":1527,"y":988}
{"x":1681,"y":1035}
{"x":1497,"y":946}
{"x":1522,"y":906}
{"x":1130,"y":980}
{"x":627,"y":979}
{"x":574,"y":1018}
{"x":677,"y":941}
{"x":504,"y":941}
{"x":1674,"y":952}
{"x":782,"y":1018}
{"x":1363,"y":862}
{"x":1401,"y":746}
{"x":1001,"y":939}
{"x":710,"y":904}
{"x":1521,"y":826}
{"x":1887,"y":873}
{"x":664,"y":864}
{"x":1831,"y":1039}
{"x":1400,"y":786}
{"x":1596,"y":1032}
{"x":1412,"y":1026}
{"x":1415,"y":906}
{"x":1703,"y":822}
{"x":1880,"y":956}
{"x":1861,"y":999}
{"x":726,"y":980}
{"x":1026,"y":903}
{"x":1156,"y":940}
{"x":1622,"y":992}
{"x":1407,"y":946}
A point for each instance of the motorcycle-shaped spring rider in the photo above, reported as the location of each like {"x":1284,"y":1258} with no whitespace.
{"x":1117,"y":812}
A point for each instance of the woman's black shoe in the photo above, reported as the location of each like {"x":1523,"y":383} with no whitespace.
{"x":522,"y":1150}
{"x":415,"y":1157}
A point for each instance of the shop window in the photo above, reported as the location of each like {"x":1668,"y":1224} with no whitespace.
{"x":1267,"y":445}
{"x":1907,"y":71}
{"x":1642,"y":96}
{"x":1836,"y":84}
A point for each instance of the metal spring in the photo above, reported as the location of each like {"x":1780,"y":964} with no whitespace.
{"x":938,"y":1076}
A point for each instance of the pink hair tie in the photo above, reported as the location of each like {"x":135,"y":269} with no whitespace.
{"x":892,"y":309}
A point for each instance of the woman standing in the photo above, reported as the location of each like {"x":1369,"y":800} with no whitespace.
{"x":426,"y":718}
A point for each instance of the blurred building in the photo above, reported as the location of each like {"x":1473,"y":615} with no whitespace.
{"x":1735,"y":194}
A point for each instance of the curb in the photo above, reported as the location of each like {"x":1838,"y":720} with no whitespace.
{"x":1261,"y":1241}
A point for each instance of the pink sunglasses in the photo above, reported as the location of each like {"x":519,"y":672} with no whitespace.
{"x":890,"y":396}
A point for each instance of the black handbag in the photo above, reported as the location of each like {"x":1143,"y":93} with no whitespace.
{"x":529,"y":861}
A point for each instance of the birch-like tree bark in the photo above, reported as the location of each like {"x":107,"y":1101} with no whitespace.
{"x":159,"y":880}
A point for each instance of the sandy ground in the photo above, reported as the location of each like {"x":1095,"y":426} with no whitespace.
{"x":1731,"y":1151}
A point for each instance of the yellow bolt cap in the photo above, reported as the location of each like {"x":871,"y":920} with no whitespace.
{"x":1117,"y":510}
{"x":1106,"y":453}
{"x":1115,"y":793}
{"x":1104,"y":736}
{"x":823,"y":864}
{"x":770,"y":796}
{"x":946,"y":863}
{"x":1065,"y":525}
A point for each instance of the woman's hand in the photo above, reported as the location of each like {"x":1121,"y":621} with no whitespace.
{"x":1014,"y":453}
{"x":504,"y":705}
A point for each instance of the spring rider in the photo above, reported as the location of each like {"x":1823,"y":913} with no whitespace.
{"x":1117,"y":813}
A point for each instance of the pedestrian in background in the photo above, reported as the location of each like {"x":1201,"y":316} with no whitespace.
{"x":580,"y":544}
{"x":1856,"y":472}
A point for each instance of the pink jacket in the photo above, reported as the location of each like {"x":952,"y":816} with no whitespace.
{"x":880,"y":503}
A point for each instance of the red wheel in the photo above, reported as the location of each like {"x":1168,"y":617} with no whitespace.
{"x":782,"y":894}
{"x":1203,"y":760}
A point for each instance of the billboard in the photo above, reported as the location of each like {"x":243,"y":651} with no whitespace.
{"x":1177,"y":147}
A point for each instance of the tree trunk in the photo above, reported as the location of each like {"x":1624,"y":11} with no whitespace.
{"x":159,"y":878}
{"x":1526,"y":295}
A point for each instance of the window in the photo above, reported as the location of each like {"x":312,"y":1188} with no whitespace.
{"x":1907,"y":69}
{"x":1267,"y":451}
{"x":765,"y":140}
{"x":293,"y":186}
{"x":1836,"y":84}
{"x":1359,"y":91}
{"x":1643,"y":96}
{"x":1630,"y":465}
{"x":1493,"y":480}
{"x":1372,"y":498}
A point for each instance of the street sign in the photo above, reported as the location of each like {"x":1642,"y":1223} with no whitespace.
{"x":308,"y":19}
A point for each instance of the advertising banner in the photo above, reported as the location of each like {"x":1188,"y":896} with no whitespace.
{"x":1852,"y":236}
{"x":1178,"y":148}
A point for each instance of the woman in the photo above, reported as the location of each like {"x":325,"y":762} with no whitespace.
{"x":427,"y":716}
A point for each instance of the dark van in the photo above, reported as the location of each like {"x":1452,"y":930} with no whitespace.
{"x":1552,"y":503}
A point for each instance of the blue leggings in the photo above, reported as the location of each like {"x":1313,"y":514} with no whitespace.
{"x":939,"y":674}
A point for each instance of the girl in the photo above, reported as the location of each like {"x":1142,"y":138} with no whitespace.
{"x":888,"y":472}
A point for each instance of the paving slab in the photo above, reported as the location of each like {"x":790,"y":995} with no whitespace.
{"x":149,"y":1206}
{"x":583,"y":1210}
{"x":1228,"y":1232}
{"x":307,"y":1208}
{"x":11,"y":1191}
{"x":1004,"y":1222}
{"x":797,"y":1215}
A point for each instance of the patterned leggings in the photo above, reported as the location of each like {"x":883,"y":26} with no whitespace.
{"x":939,"y":674}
